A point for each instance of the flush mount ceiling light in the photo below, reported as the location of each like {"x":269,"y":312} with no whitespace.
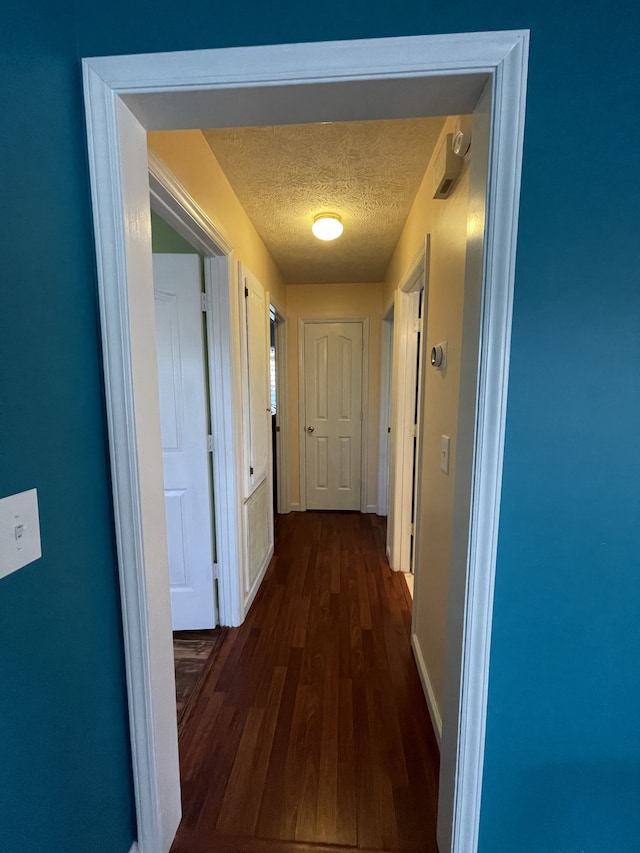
{"x":327,"y":226}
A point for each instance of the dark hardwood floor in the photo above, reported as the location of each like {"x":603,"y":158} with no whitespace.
{"x":311,"y":728}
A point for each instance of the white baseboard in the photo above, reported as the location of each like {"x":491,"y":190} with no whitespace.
{"x":295,"y":507}
{"x":432,"y":705}
{"x":372,"y":508}
{"x":256,"y":584}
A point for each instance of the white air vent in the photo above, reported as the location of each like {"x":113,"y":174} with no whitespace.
{"x":446,"y":169}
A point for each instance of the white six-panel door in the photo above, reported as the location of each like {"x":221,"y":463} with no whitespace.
{"x":183,"y":416}
{"x":333,"y":414}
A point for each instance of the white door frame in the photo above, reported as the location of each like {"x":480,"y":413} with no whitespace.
{"x":282,"y":416}
{"x":386,"y":367}
{"x":127,"y":95}
{"x":403,"y":395}
{"x":302,"y":398}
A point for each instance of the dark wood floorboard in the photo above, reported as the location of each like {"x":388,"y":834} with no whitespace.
{"x":311,"y":733}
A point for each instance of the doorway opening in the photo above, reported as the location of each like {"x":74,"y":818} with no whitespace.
{"x":126,"y":96}
{"x":184,"y":384}
{"x":407,"y":410}
{"x":273,"y":401}
{"x":279,"y":405}
{"x":386,"y":373}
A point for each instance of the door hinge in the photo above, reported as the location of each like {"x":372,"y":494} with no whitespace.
{"x":251,"y":470}
{"x":246,"y":292}
{"x":210,"y":444}
{"x":216,"y":572}
{"x":203,"y":301}
{"x":417,"y":326}
{"x":414,"y":430}
{"x":412,"y":529}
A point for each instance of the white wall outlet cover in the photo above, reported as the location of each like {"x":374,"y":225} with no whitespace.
{"x":19,"y":531}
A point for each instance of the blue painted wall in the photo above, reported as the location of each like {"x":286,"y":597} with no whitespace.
{"x":65,"y":780}
{"x":563,"y":746}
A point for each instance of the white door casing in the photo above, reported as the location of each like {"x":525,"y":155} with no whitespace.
{"x":333,"y":414}
{"x":408,"y":432}
{"x":182,"y":381}
{"x":386,"y":368}
{"x":403,"y":395}
{"x":126,"y":96}
{"x":281,"y":464}
{"x":255,"y":320}
{"x":258,"y":505}
{"x":480,"y":438}
{"x":416,"y":449}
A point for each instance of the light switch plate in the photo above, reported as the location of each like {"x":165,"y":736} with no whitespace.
{"x":445,"y":445}
{"x":19,"y":531}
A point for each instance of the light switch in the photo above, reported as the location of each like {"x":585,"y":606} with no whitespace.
{"x":445,"y":444}
{"x":19,"y":531}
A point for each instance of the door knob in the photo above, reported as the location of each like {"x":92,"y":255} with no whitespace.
{"x":309,"y":429}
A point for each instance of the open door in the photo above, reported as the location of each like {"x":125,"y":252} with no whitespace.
{"x":182,"y":379}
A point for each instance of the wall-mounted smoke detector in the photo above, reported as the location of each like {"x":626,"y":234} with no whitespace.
{"x":447,"y":169}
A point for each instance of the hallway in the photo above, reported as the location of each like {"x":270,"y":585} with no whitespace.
{"x":312,"y":727}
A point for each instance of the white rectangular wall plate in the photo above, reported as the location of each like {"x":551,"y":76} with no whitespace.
{"x":19,"y":531}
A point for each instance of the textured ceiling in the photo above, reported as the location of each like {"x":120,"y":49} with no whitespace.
{"x":368,"y":172}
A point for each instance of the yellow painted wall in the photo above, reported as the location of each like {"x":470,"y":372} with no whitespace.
{"x":446,"y":221}
{"x":187,"y":154}
{"x":335,"y":301}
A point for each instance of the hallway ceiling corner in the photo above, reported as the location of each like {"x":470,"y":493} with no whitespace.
{"x":367,"y":171}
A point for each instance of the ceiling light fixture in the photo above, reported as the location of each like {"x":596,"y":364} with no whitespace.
{"x":327,"y":226}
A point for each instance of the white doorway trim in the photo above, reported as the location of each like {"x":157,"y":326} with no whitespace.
{"x":404,"y":385}
{"x":282,"y":404}
{"x":302,"y":411}
{"x":384,"y":78}
{"x":386,"y":368}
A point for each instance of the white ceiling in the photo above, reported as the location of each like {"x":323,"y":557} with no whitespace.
{"x":367,"y":171}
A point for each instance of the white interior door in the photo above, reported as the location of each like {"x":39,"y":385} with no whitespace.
{"x":333,"y":414}
{"x":183,"y":415}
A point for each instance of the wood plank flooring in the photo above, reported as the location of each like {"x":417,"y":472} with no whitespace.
{"x":311,"y":728}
